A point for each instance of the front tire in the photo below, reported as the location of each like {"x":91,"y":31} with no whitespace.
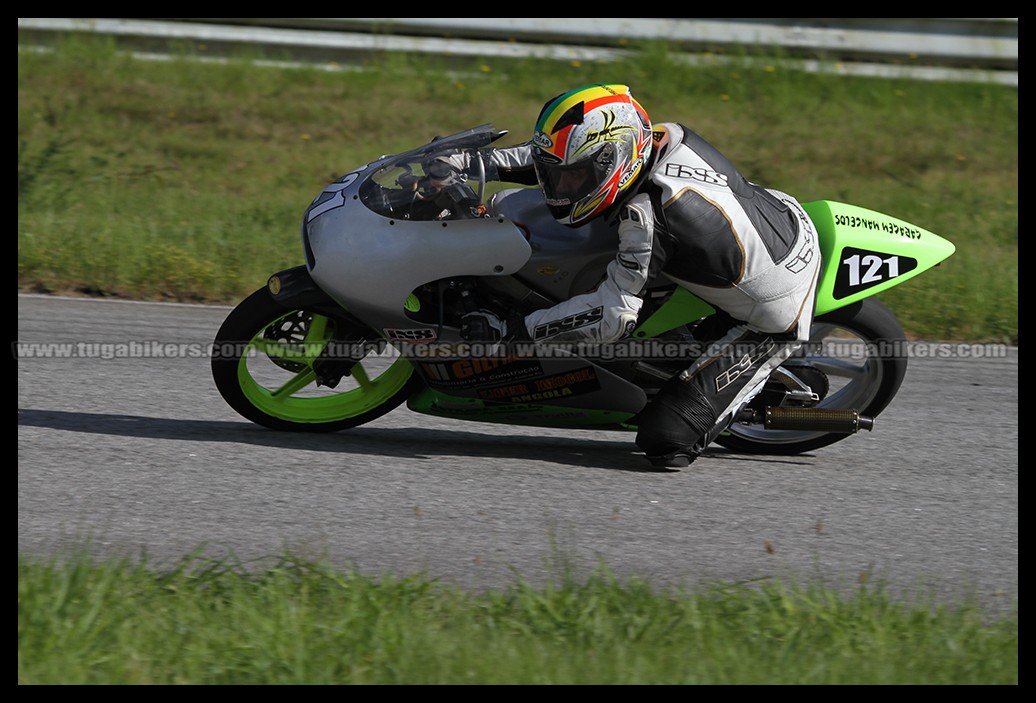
{"x":262,"y":364}
{"x":860,"y":350}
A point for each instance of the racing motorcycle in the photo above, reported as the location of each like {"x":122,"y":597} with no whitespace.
{"x":399,"y":250}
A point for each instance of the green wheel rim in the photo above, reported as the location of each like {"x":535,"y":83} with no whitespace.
{"x":283,"y":403}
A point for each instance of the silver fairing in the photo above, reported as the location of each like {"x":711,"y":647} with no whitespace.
{"x":368,"y":247}
{"x":370,"y":267}
{"x":387,"y":230}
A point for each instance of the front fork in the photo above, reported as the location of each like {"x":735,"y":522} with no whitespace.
{"x":295,"y":289}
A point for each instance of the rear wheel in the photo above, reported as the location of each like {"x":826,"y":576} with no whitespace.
{"x":263,"y":366}
{"x":855,"y":360}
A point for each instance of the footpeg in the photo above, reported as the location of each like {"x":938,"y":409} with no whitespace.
{"x":816,"y":420}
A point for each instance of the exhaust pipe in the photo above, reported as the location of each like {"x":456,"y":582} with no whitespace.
{"x":816,"y":419}
{"x":809,"y":419}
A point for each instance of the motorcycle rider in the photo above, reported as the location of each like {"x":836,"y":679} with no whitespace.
{"x":687,"y":215}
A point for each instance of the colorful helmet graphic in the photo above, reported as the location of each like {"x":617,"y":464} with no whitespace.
{"x":589,"y":146}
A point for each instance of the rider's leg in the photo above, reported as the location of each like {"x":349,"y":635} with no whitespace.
{"x":693,"y":408}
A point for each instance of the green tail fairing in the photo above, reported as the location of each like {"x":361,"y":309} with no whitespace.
{"x":866,"y":252}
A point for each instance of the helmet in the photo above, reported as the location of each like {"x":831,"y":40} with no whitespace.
{"x":589,"y":145}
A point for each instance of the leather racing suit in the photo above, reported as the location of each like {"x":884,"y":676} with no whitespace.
{"x":749,"y":251}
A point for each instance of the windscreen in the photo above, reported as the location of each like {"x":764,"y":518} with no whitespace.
{"x":443,"y":180}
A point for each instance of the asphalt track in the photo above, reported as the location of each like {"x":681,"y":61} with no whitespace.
{"x":138,"y":456}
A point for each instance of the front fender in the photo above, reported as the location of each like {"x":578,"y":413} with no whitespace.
{"x":295,"y":289}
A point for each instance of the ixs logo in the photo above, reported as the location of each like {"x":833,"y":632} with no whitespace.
{"x":695,"y":173}
{"x":745,"y":363}
{"x":572,"y":322}
{"x":419,"y":336}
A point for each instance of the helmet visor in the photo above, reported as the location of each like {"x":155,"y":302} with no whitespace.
{"x":564,"y":185}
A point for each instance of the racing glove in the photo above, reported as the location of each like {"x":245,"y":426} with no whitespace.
{"x":482,"y":326}
{"x":609,"y":312}
{"x":486,"y":326}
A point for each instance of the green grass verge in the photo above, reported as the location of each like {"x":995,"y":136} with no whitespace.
{"x":305,"y":623}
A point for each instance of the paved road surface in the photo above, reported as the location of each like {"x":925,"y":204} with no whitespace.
{"x":140,"y":456}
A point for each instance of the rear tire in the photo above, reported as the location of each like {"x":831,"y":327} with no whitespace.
{"x":861,"y":350}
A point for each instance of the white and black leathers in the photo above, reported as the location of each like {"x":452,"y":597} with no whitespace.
{"x":749,"y":251}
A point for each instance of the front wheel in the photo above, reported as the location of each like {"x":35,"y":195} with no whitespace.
{"x":855,"y":359}
{"x":263,"y":366}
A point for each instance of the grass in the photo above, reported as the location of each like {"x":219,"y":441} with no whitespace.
{"x":298,"y":622}
{"x":186,"y":180}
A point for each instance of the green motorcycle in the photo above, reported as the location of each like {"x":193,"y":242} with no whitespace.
{"x":371,"y":321}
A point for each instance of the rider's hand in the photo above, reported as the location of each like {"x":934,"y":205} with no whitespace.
{"x":482,"y":326}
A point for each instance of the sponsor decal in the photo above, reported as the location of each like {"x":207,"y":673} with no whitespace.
{"x":417,"y":336}
{"x":631,"y":172}
{"x":466,"y":368}
{"x":695,"y":173}
{"x":542,"y":140}
{"x":567,"y":324}
{"x":899,"y":229}
{"x":744,"y":364}
{"x":803,"y":256}
{"x":472,"y":372}
{"x":535,"y":390}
